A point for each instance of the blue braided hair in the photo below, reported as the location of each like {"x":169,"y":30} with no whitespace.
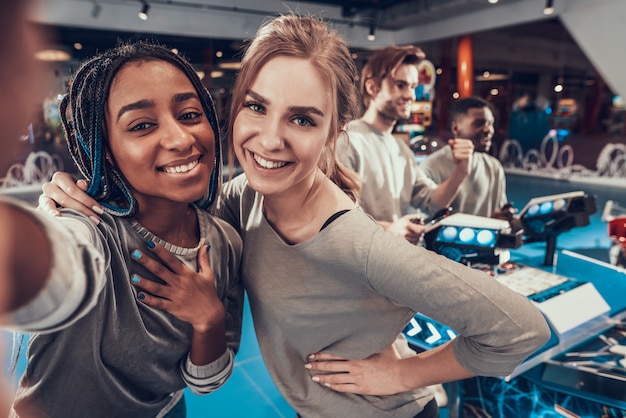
{"x":82,"y":112}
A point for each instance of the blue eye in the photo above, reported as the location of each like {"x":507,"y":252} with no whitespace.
{"x":255,"y":107}
{"x":303,"y":121}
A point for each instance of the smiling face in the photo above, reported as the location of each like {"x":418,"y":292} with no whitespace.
{"x":283,"y":126}
{"x":476,"y":125}
{"x":158,"y":135}
{"x":396,"y":94}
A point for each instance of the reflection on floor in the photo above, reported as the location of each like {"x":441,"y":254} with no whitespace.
{"x":250,"y":392}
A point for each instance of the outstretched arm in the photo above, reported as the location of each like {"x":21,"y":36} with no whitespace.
{"x":25,"y":257}
{"x":51,"y":271}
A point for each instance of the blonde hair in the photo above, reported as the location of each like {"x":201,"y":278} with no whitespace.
{"x":310,"y":38}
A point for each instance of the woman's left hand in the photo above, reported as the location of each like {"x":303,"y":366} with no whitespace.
{"x":379,"y":374}
{"x":188,"y":295}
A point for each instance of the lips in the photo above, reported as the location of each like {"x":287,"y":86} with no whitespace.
{"x":268,"y":164}
{"x":178,"y":168}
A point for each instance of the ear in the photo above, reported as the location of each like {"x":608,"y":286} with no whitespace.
{"x":370,"y":87}
{"x":454,"y":127}
{"x":108,"y":156}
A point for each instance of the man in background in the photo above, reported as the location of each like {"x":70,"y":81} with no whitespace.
{"x":395,"y":191}
{"x":483,"y":191}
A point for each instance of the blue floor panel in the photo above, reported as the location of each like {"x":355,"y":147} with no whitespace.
{"x":248,"y":393}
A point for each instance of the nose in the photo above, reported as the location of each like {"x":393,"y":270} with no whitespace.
{"x":409,"y":94}
{"x":175,"y":136}
{"x":271,"y":134}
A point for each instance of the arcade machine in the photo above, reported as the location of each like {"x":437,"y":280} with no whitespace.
{"x":615,"y":217}
{"x":581,"y":371}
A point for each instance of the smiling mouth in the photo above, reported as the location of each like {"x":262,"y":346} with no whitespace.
{"x":183,"y":168}
{"x":268,"y":164}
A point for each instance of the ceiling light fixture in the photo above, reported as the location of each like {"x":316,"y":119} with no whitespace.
{"x":143,"y":13}
{"x":53,"y":55}
{"x":559,"y":85}
{"x":372,"y":33}
{"x":549,"y":8}
{"x":493,"y":1}
{"x":229,"y":65}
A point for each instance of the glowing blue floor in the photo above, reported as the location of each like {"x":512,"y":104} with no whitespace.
{"x":250,"y":392}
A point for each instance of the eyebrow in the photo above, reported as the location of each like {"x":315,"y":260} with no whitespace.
{"x":141,"y":104}
{"x":293,"y":109}
{"x":146,"y":104}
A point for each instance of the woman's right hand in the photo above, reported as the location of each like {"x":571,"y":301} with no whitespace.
{"x":64,"y":191}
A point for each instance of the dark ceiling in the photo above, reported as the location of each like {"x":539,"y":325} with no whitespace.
{"x":203,"y":51}
{"x":197,"y":50}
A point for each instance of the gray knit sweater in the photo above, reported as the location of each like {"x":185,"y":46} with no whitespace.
{"x":482,"y":193}
{"x":393,"y":185}
{"x":94,"y":350}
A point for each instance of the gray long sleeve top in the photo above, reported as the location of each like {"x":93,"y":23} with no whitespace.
{"x":351,"y":289}
{"x":393,"y":185}
{"x":482,"y":192}
{"x":95,"y":351}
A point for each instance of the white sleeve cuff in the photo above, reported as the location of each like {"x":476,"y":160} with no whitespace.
{"x":205,"y":379}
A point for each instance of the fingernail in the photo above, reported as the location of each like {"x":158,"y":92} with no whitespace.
{"x":151,"y":245}
{"x":315,"y":379}
{"x":141,"y":296}
{"x":135,"y":278}
{"x":208,"y":247}
{"x":307,"y":366}
{"x":136,"y":255}
{"x":95,"y":220}
{"x":97,"y":209}
{"x":311,"y":356}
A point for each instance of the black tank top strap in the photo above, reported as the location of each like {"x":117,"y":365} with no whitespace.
{"x":333,"y":217}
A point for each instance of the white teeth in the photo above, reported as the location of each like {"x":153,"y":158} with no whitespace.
{"x":181,"y":168}
{"x":268,"y":164}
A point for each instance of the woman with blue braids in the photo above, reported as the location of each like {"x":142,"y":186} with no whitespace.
{"x":125,"y":314}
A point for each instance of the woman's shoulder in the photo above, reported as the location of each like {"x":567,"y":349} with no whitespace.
{"x":351,"y":223}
